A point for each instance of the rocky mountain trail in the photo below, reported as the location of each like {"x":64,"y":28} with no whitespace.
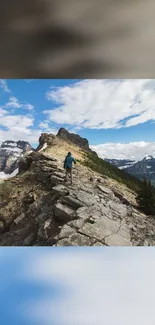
{"x":39,"y":208}
{"x":43,"y":209}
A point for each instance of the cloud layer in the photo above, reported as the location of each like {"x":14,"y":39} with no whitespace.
{"x":103,"y":104}
{"x":133,"y":150}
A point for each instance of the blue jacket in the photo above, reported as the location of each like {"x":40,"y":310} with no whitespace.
{"x":68,"y":161}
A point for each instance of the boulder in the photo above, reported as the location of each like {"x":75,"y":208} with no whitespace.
{"x":63,"y":212}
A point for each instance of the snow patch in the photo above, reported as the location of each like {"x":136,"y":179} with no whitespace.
{"x":128,"y":165}
{"x":11,"y":149}
{"x":43,"y":147}
{"x":10,"y":144}
{"x":29,"y":152}
{"x":6,"y":176}
{"x":148,"y":157}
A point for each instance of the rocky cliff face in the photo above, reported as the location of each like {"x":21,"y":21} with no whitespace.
{"x":74,"y":138}
{"x":40,"y":208}
{"x":10,"y":152}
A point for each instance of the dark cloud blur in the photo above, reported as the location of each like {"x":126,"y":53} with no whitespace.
{"x":77,"y":39}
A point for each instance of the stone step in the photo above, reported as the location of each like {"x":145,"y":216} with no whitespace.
{"x":63,"y":212}
{"x":73,"y":202}
{"x":60,"y":190}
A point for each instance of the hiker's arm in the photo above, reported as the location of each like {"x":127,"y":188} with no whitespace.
{"x":74,"y":161}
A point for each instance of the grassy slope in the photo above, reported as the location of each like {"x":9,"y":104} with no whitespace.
{"x":105,"y":168}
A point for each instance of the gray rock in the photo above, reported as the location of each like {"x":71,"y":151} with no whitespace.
{"x":41,"y":218}
{"x":60,"y":190}
{"x":19,"y":219}
{"x":43,"y":230}
{"x":75,"y":240}
{"x":101,"y":228}
{"x":79,"y":223}
{"x":86,"y":198}
{"x":124,"y":232}
{"x":63,"y":212}
{"x":118,"y":208}
{"x":55,"y":180}
{"x":60,"y":175}
{"x":71,"y":201}
{"x":83,"y":213}
{"x":116,"y":240}
{"x":104,"y":189}
{"x":66,"y":231}
{"x":98,"y":244}
{"x":29,"y":240}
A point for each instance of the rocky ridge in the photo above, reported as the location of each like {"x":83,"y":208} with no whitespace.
{"x":44,"y":210}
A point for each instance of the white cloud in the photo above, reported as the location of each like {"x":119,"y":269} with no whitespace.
{"x":18,"y":127}
{"x":16,"y":121}
{"x":44,"y":125}
{"x":20,"y":133}
{"x":98,"y":286}
{"x":103,"y":104}
{"x":133,"y":150}
{"x":28,"y":106}
{"x":4,"y":86}
{"x":14,"y":103}
{"x":2,"y":112}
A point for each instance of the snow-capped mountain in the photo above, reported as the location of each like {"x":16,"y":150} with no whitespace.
{"x":10,"y":152}
{"x":140,"y":169}
{"x":122,"y":163}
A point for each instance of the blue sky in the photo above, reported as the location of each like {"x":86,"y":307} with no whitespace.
{"x":76,"y":286}
{"x":116,"y":116}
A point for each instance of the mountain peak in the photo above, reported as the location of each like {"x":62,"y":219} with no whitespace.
{"x":74,"y":138}
{"x":10,"y":152}
{"x":148,"y":157}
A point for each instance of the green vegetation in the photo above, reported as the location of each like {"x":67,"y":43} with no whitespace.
{"x":144,"y":190}
{"x":105,"y":168}
{"x":5,"y":190}
{"x":146,"y":198}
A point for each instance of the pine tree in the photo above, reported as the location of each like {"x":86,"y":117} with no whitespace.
{"x":146,"y":198}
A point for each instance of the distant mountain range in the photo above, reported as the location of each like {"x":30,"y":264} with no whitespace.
{"x":140,"y":169}
{"x":10,"y":152}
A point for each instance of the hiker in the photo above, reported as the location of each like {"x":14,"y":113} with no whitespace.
{"x":68,"y":166}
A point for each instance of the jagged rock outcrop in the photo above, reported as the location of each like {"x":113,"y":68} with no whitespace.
{"x":46,"y":140}
{"x":10,"y":152}
{"x":76,"y":139}
{"x":42,"y":209}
